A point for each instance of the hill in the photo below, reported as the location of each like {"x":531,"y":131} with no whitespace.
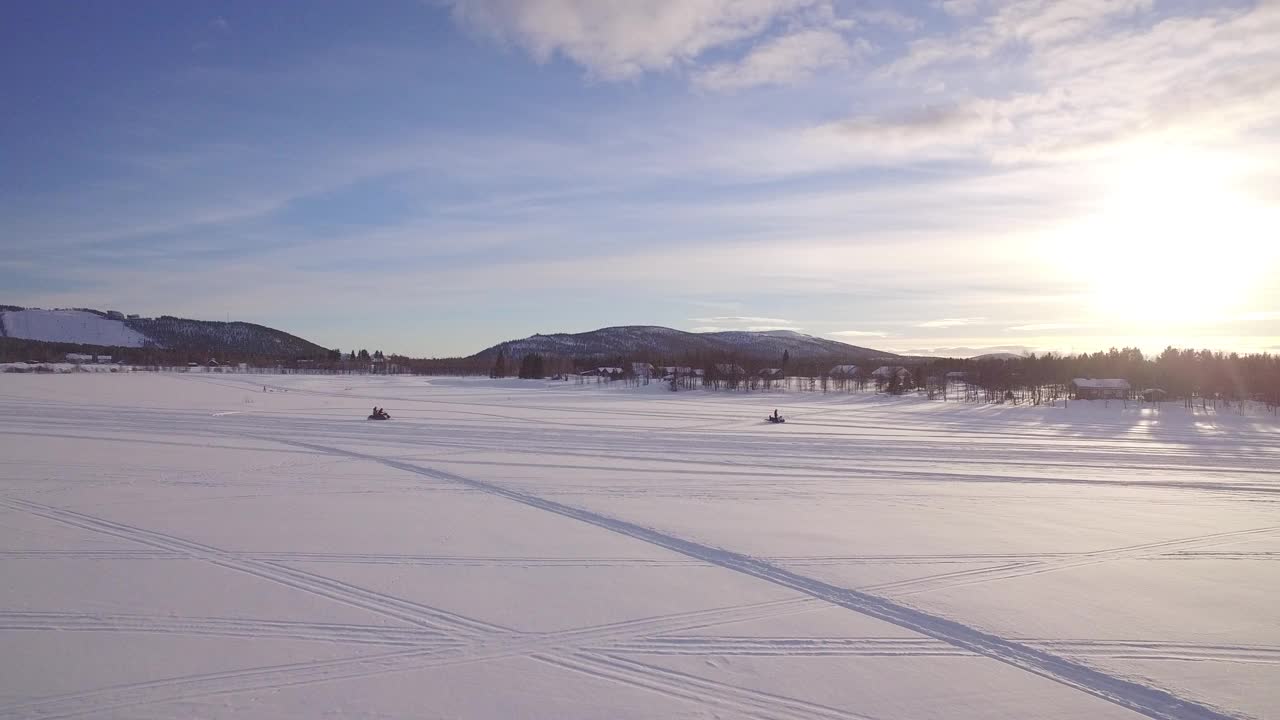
{"x":93,"y":328}
{"x":240,"y":338}
{"x":662,"y":343}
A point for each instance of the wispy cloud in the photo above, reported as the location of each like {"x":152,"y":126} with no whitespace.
{"x":742,"y":319}
{"x":748,"y":328}
{"x":950,"y":322}
{"x":780,"y":61}
{"x":963,"y":351}
{"x":857,"y":333}
{"x":1038,"y":327}
{"x":622,"y":40}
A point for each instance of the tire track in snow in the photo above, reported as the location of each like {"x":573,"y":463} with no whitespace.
{"x":362,"y":598}
{"x":692,"y":645}
{"x":744,"y":702}
{"x":787,"y":647}
{"x":482,"y":649}
{"x":467,"y":561}
{"x":1150,"y":701}
{"x":1003,"y":572}
{"x":225,"y":627}
{"x":1164,"y":650}
{"x":204,"y":685}
{"x":90,"y":555}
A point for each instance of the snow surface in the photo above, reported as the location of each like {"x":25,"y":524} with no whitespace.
{"x":70,"y":326}
{"x":202,"y":545}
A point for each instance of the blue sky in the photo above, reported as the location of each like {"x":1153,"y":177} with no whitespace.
{"x":434,"y":177}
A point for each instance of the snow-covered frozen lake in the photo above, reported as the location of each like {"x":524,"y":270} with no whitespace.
{"x":194,"y":546}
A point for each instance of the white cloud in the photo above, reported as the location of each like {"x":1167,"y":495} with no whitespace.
{"x":857,"y":333}
{"x":621,"y":39}
{"x":780,"y":61}
{"x":950,"y":322}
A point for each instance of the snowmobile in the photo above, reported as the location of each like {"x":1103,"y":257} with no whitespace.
{"x":775,"y":418}
{"x":380,"y":415}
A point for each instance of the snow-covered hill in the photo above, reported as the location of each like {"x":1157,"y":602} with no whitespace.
{"x":71,"y":326}
{"x":636,"y":341}
{"x":90,"y":327}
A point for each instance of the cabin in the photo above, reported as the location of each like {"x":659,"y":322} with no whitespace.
{"x":1154,"y":395}
{"x":78,"y":358}
{"x":845,"y":372}
{"x":773,"y":374}
{"x":730,"y":370}
{"x":676,"y":371}
{"x":609,"y":372}
{"x":1100,"y":389}
{"x":888,"y":372}
{"x":102,"y":359}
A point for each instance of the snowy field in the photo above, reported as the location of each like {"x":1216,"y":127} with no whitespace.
{"x":192,"y":546}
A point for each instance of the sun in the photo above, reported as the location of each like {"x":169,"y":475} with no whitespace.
{"x":1175,"y":241}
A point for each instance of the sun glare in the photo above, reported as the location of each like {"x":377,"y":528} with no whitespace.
{"x":1177,"y":240}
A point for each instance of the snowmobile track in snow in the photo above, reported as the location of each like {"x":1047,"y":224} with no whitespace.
{"x":382,"y":604}
{"x":1143,"y":699}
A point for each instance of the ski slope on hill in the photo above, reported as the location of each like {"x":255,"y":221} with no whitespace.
{"x":70,"y":326}
{"x":204,"y":545}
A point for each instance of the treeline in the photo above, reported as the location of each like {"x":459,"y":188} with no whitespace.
{"x":561,"y":365}
{"x":22,"y":350}
{"x":1179,"y":373}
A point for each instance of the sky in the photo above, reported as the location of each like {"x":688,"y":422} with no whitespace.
{"x":433,"y":177}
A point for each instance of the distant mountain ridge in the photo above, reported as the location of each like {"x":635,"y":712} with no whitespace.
{"x":83,"y":326}
{"x":651,"y":341}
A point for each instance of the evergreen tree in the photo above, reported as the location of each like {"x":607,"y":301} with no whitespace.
{"x":532,"y":367}
{"x":499,"y":365}
{"x":895,"y":385}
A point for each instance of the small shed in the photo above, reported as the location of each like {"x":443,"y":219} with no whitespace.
{"x":1100,"y":388}
{"x":1154,"y":395}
